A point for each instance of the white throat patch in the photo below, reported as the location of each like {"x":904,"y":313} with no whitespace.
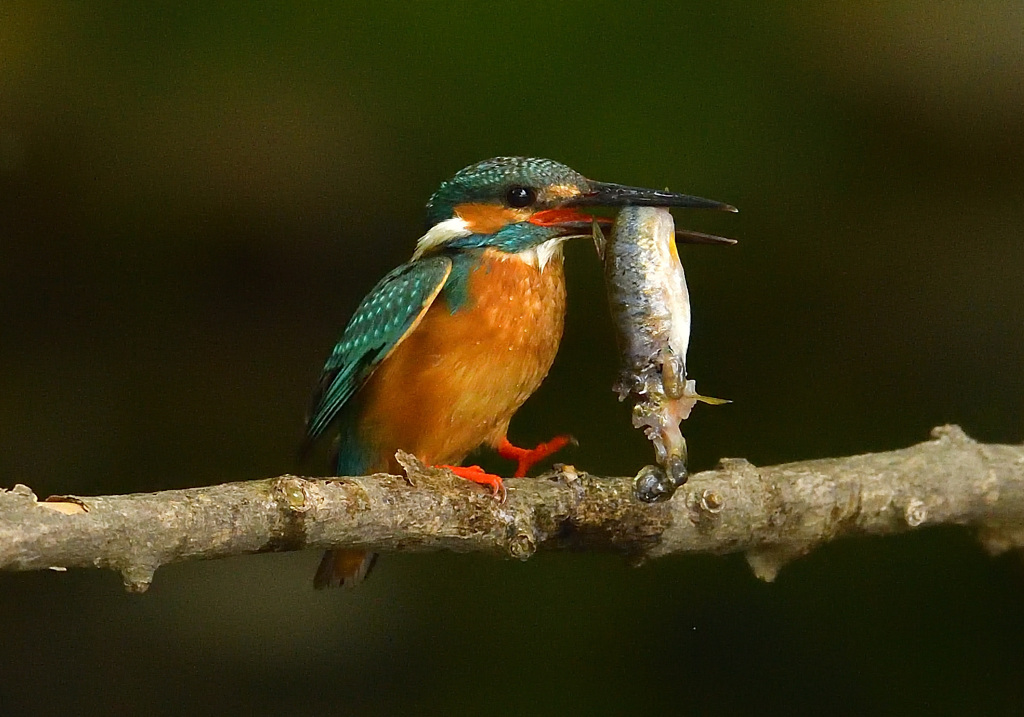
{"x":454,"y":228}
{"x":539,"y":256}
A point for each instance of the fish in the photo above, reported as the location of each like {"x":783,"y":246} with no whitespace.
{"x":650,"y":308}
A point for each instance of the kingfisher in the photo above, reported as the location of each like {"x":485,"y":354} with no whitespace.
{"x":446,"y":347}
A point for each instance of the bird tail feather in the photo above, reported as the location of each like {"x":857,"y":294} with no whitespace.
{"x":343,"y":568}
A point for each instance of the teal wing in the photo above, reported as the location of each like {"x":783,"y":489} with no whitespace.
{"x":387,"y":315}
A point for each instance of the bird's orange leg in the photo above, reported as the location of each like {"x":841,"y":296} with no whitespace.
{"x":527,"y":457}
{"x":480,"y":476}
{"x":524,"y":457}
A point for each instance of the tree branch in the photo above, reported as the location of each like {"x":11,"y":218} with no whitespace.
{"x":771,"y":514}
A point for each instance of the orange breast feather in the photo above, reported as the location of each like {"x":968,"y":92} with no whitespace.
{"x":456,"y":380}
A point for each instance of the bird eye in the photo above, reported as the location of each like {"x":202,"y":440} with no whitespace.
{"x":519,"y":197}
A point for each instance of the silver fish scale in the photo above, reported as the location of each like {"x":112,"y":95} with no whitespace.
{"x":650,"y":303}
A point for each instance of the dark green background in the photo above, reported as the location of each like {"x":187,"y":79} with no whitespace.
{"x":192,"y":201}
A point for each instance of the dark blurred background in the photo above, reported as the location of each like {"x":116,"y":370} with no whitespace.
{"x":192,"y":202}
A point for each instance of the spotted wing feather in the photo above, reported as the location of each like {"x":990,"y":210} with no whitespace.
{"x":385,"y":317}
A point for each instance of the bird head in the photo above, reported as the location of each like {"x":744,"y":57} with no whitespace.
{"x":523,"y":204}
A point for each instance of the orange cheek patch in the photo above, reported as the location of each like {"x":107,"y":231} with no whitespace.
{"x":488,"y":218}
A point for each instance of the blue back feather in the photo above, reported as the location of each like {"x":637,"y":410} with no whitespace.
{"x":379,"y":324}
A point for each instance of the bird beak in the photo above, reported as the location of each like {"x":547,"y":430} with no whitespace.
{"x":607,"y":194}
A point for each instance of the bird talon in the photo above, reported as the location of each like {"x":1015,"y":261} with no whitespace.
{"x":478,"y":475}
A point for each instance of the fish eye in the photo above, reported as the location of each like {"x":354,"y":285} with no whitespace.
{"x":519,"y":196}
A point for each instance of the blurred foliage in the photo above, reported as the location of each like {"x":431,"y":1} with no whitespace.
{"x":193,"y":199}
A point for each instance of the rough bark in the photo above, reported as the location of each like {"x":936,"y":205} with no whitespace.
{"x":771,"y":514}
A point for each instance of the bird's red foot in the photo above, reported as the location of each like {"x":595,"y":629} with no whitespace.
{"x":480,"y":476}
{"x":527,"y":457}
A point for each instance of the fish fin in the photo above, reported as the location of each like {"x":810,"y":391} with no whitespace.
{"x":673,"y":374}
{"x":600,"y":243}
{"x":691,"y":392}
{"x":711,"y":401}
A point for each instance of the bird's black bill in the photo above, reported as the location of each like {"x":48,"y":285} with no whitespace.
{"x":608,"y":194}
